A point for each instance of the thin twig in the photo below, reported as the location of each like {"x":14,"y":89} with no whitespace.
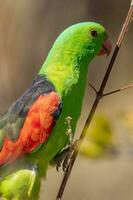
{"x":118,"y":90}
{"x":96,"y":102}
{"x":112,"y":92}
{"x":95,"y":90}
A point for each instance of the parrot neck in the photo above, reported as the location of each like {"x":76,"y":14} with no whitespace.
{"x":64,"y":68}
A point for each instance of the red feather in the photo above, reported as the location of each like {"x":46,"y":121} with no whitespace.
{"x":37,"y":127}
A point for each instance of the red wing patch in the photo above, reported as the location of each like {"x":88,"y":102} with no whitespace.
{"x":36,"y":130}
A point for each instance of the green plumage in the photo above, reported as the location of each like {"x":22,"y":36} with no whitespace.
{"x":66,"y":68}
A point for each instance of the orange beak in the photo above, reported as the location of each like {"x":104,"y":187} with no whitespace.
{"x":106,"y":48}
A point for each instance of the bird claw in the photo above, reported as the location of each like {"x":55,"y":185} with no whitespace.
{"x":63,"y":160}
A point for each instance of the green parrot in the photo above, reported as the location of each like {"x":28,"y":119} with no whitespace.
{"x":34,"y":131}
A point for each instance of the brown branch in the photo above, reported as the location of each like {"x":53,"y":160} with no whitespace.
{"x":118,"y":90}
{"x":96,"y":102}
{"x":112,"y":92}
{"x":94,"y":89}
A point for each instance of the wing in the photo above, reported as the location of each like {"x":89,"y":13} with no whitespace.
{"x":29,"y":121}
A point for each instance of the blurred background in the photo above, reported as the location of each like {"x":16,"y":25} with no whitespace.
{"x":27,"y":32}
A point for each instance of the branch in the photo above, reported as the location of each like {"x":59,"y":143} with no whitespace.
{"x":94,"y":89}
{"x":112,"y":92}
{"x":118,"y":90}
{"x":96,"y":102}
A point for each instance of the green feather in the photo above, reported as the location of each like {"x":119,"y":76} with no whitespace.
{"x":73,"y":49}
{"x":66,"y":67}
{"x":20,"y":185}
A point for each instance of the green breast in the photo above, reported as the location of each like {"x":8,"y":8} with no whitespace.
{"x":71,"y":106}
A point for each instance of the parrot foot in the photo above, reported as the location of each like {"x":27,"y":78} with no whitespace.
{"x":64,"y":159}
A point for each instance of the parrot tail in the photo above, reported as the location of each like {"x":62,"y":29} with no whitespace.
{"x":23,"y":184}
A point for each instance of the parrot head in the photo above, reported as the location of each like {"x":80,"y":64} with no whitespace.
{"x":71,"y":53}
{"x":84,"y":39}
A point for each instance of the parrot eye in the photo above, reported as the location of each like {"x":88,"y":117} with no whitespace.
{"x":94,"y":33}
